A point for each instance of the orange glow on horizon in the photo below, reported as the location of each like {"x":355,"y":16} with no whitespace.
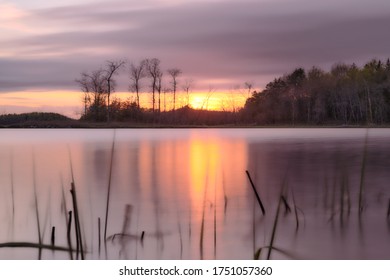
{"x":217,"y":101}
{"x":70,"y":102}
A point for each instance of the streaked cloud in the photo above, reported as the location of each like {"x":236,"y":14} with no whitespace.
{"x":229,"y":41}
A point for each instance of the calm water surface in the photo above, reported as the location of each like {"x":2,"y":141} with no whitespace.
{"x":185,"y":191}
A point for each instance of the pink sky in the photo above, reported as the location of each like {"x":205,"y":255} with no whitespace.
{"x":219,"y":44}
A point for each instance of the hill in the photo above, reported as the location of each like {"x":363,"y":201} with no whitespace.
{"x":36,"y":119}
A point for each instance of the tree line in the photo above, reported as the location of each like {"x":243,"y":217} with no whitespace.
{"x":344,"y":95}
{"x":98,"y":85}
{"x":347,"y":94}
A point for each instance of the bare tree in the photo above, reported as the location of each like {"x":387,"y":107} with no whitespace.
{"x":94,"y":88}
{"x":112,"y":68}
{"x":174,"y":72}
{"x":230,"y":102}
{"x":159,"y":88}
{"x":165,"y":91}
{"x":154,"y":71}
{"x":205,"y":103}
{"x":137,"y":72}
{"x":248,"y":86}
{"x":187,"y":88}
{"x":86,"y":99}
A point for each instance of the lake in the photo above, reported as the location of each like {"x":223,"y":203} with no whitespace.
{"x":185,"y":193}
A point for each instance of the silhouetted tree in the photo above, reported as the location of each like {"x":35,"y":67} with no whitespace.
{"x":94,"y":85}
{"x":154,"y":71}
{"x":249,"y":87}
{"x":137,"y":72}
{"x":187,"y":88}
{"x":174,"y":73}
{"x":346,"y":94}
{"x":159,"y":88}
{"x":112,"y":68}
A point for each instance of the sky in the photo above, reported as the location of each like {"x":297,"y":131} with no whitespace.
{"x":218,"y":44}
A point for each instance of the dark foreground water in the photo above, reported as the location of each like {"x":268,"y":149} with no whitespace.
{"x":184,"y":193}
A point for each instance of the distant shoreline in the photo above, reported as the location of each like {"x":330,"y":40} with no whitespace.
{"x":41,"y":120}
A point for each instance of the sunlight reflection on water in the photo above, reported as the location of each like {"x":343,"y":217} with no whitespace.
{"x":189,"y":193}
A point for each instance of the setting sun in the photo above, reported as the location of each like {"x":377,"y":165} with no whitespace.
{"x":197,"y":102}
{"x":218,"y":101}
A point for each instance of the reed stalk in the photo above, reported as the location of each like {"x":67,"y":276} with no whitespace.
{"x":215,"y":219}
{"x":33,"y":245}
{"x":53,"y":236}
{"x":333,"y":204}
{"x":36,"y":209}
{"x":202,"y":226}
{"x":257,"y":256}
{"x":326,"y":191}
{"x":202,"y":233}
{"x":109,"y":189}
{"x":79,"y":239}
{"x":271,"y":244}
{"x":180,"y":239}
{"x":125,"y":226}
{"x":64,"y":208}
{"x":68,"y":234}
{"x":189,"y":224}
{"x":362,"y":174}
{"x":295,"y":211}
{"x":256,"y":193}
{"x":254,"y":227}
{"x":342,"y":200}
{"x":99,"y":236}
{"x":348,"y":194}
{"x":224,"y":194}
{"x":287,"y":208}
{"x":137,"y":230}
{"x":12,"y":190}
{"x":47,"y":214}
{"x":68,"y":217}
